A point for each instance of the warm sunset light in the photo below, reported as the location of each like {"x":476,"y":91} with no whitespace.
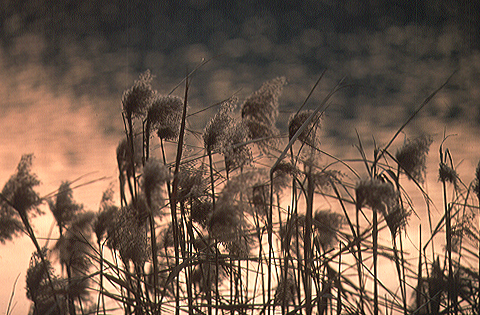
{"x":246,"y":157}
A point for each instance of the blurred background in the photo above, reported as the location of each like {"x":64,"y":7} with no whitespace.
{"x":65,"y":64}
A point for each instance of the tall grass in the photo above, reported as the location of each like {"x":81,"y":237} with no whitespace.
{"x":233,"y":222}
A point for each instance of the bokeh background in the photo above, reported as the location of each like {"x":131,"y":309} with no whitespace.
{"x":65,"y":64}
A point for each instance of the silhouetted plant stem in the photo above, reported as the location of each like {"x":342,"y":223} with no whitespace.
{"x":212,"y":179}
{"x":448,"y":234}
{"x":375,"y":263}
{"x":339,"y":288}
{"x":71,"y":304}
{"x":308,"y":243}
{"x":146,"y":135}
{"x":288,"y":237}
{"x":123,"y":198}
{"x":359,"y":259}
{"x":217,"y":293}
{"x":270,"y":245}
{"x":153,"y":238}
{"x":174,"y":222}
{"x":138,"y":291}
{"x":401,"y":276}
{"x":399,"y":271}
{"x":404,"y":277}
{"x":173,"y":201}
{"x":101,"y":296}
{"x":133,"y":190}
{"x":419,"y":293}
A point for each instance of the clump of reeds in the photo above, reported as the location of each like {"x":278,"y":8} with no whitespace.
{"x":242,"y":235}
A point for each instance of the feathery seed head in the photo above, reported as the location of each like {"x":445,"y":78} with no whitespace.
{"x":327,"y":225}
{"x":142,"y":209}
{"x":74,"y":251}
{"x":282,"y":175}
{"x":38,"y":288}
{"x":124,"y":155}
{"x":107,"y":198}
{"x":73,"y":247}
{"x":412,"y":157}
{"x":19,"y":191}
{"x":374,"y":193}
{"x":191,"y":183}
{"x":264,"y":133}
{"x":64,"y":208}
{"x":242,"y":185}
{"x":216,"y":131}
{"x":138,"y":98}
{"x":105,"y":217}
{"x":37,"y":274}
{"x":260,"y":111}
{"x":155,"y":175}
{"x":200,"y":211}
{"x":261,"y":198}
{"x":447,"y":174}
{"x":396,"y":217}
{"x":225,"y":223}
{"x":19,"y":188}
{"x":262,"y":105}
{"x":309,"y":134}
{"x":128,"y":235}
{"x":236,"y":152}
{"x":10,"y":224}
{"x":166,"y":236}
{"x":286,"y":168}
{"x":324,"y":178}
{"x":164,"y":116}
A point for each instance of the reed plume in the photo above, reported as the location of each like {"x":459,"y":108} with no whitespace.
{"x":327,"y":224}
{"x":127,"y":234}
{"x":42,"y":287}
{"x":74,"y":250}
{"x":137,"y":99}
{"x":164,"y":116}
{"x":19,"y":198}
{"x":217,"y":129}
{"x":260,"y":111}
{"x":64,"y":208}
{"x":411,"y":157}
{"x":309,"y":136}
{"x":155,"y":175}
